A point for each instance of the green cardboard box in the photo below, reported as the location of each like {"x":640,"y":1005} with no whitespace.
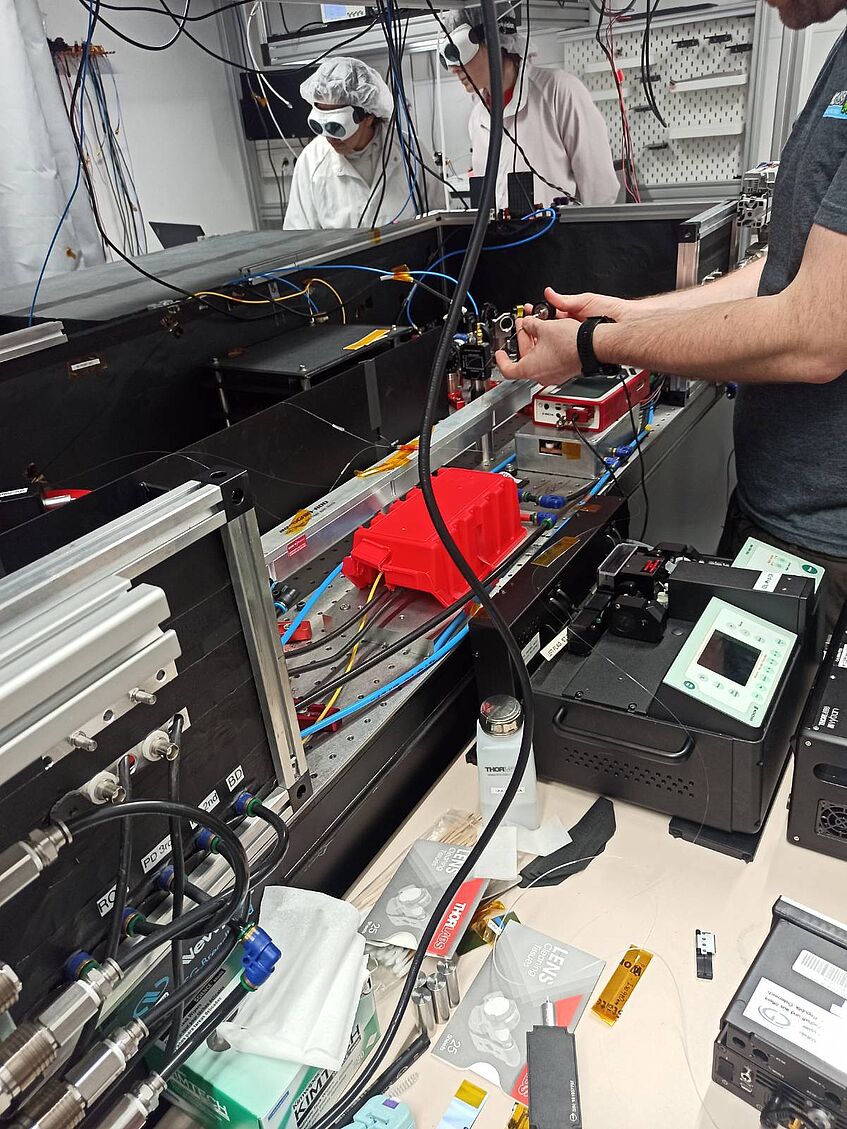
{"x":228,"y":1088}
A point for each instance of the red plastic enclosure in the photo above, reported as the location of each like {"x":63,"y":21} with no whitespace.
{"x":482,"y":513}
{"x":590,"y":404}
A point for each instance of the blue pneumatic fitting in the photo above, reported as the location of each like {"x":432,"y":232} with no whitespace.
{"x":553,"y":501}
{"x":242,"y":803}
{"x":131,"y":918}
{"x":545,"y":515}
{"x":260,"y":957}
{"x":206,"y":840}
{"x":165,"y":878}
{"x":78,"y":964}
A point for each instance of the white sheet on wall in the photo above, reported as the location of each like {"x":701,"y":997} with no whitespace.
{"x":38,"y":160}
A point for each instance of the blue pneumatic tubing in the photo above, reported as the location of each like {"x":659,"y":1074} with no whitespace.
{"x":310,"y":603}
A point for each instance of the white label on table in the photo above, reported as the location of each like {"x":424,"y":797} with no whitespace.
{"x":842,"y":656}
{"x":211,"y":801}
{"x":800,"y":1022}
{"x":767,"y":581}
{"x":822,"y":972}
{"x":159,"y":852}
{"x":555,"y":645}
{"x":532,"y":648}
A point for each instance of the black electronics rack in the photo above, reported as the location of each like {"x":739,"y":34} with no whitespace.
{"x":817,"y":816}
{"x":765,"y":1052}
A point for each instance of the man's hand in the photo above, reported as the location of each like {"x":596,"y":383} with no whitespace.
{"x":547,"y":350}
{"x":582,"y":306}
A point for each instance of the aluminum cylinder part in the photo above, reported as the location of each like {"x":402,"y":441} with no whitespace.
{"x":447,"y":969}
{"x":133,"y":1109}
{"x":22,"y":862}
{"x":424,"y":1006}
{"x":106,"y":1061}
{"x":55,"y":1106}
{"x":10,"y":987}
{"x":24,"y":1056}
{"x":438,"y":988}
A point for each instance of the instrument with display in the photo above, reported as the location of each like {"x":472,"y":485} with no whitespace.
{"x":677,"y":685}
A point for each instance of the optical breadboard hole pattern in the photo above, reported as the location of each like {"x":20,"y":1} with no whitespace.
{"x":616,"y":770}
{"x":686,"y":161}
{"x":832,"y":821}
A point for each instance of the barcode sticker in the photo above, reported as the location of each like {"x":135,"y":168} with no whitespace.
{"x":822,"y":972}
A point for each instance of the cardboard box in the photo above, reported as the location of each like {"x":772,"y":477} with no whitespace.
{"x":228,"y":1088}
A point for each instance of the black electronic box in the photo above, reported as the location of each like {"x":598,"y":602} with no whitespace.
{"x":677,"y":685}
{"x":782,"y":1046}
{"x":818,"y":810}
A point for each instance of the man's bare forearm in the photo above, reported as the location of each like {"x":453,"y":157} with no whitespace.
{"x":739,"y":284}
{"x":753,"y":340}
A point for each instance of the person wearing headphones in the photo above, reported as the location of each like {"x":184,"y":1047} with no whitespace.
{"x":551,"y":126}
{"x":353,"y":173}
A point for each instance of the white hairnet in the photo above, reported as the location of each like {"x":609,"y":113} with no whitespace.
{"x":510,"y":39}
{"x":349,"y":82}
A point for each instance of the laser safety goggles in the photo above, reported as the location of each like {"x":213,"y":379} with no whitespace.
{"x":458,"y":47}
{"x":339,"y":123}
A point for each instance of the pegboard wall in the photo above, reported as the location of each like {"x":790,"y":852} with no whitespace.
{"x":701,"y":78}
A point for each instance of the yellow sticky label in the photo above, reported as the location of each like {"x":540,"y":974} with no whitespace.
{"x":473,"y":1095}
{"x":401,"y":273}
{"x":375,"y":335}
{"x":519,"y":1118}
{"x":299,"y":522}
{"x":554,"y":552}
{"x":571,"y":450}
{"x":621,"y":985}
{"x":398,"y":459}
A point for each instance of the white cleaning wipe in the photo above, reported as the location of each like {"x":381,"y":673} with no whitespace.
{"x":305,"y":1011}
{"x":499,"y":860}
{"x":549,"y":837}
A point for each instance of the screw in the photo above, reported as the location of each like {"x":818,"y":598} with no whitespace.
{"x":808,"y":744}
{"x":142,"y":697}
{"x":632,"y":706}
{"x":578,"y":694}
{"x":80,"y":741}
{"x":796,"y":838}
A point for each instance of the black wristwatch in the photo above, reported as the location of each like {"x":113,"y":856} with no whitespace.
{"x":585,"y":347}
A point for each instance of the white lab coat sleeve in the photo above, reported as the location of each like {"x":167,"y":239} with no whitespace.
{"x":301,"y":213}
{"x":586,"y":141}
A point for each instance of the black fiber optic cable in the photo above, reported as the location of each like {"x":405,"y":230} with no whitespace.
{"x":336,"y":1115}
{"x":178,"y":886}
{"x":377,"y":604}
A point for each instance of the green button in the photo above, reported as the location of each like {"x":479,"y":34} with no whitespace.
{"x":689,"y":685}
{"x":811,"y":569}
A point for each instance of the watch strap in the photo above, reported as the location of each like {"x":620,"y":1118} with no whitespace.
{"x":591,"y":366}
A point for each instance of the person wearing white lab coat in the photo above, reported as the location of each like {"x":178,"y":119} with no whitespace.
{"x":560,"y":134}
{"x":353,"y":174}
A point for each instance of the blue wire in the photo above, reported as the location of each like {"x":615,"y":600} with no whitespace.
{"x":401,"y":680}
{"x":495,"y":247}
{"x":310,"y":603}
{"x":502,"y":466}
{"x":83,"y":64}
{"x":377,"y":270}
{"x":451,"y":628}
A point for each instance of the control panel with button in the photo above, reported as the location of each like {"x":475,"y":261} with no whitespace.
{"x":732,"y":661}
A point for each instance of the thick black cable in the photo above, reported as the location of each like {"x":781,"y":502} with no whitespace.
{"x":368,"y":627}
{"x":217,"y":910}
{"x":435,"y":621}
{"x":636,"y":431}
{"x":335,"y":1116}
{"x":646,"y":73}
{"x":190,"y":988}
{"x":278,"y":852}
{"x":222,"y":1012}
{"x":376,"y":604}
{"x":113,"y":939}
{"x":520,"y":91}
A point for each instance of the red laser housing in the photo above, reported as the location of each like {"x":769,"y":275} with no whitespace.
{"x":482,"y":513}
{"x":591,"y":405}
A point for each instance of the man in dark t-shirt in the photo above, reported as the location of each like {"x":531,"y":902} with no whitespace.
{"x":778,"y":328}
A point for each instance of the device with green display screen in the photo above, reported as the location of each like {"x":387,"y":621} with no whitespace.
{"x":732,"y":661}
